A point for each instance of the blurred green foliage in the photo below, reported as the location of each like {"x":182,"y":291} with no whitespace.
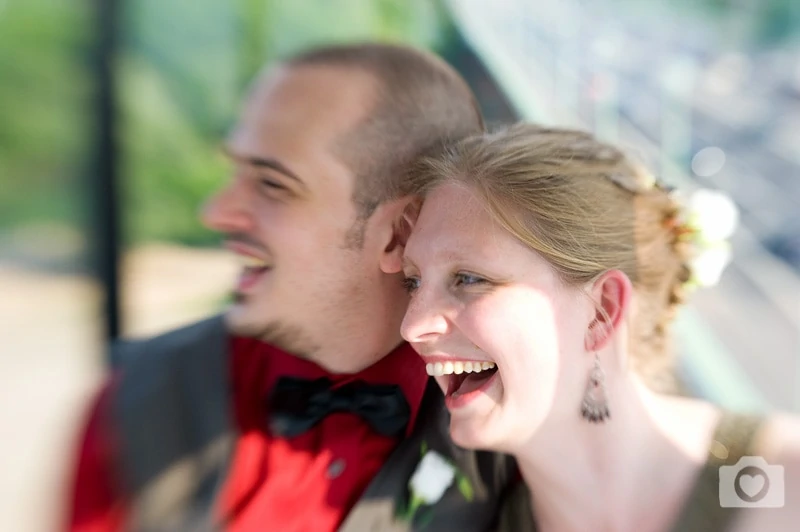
{"x":186,"y":67}
{"x":183,"y":67}
{"x":45,"y":92}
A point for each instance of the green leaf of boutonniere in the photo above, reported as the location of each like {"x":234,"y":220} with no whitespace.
{"x":425,"y":518}
{"x":465,"y":487}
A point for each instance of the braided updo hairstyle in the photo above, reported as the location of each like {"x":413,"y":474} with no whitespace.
{"x":586,"y":208}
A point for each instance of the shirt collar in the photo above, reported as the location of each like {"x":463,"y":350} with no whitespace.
{"x":402,"y":366}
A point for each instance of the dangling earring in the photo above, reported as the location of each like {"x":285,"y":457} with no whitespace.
{"x":595,"y":404}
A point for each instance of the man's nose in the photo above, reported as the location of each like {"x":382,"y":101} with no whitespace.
{"x":228,"y":211}
{"x":425,"y":318}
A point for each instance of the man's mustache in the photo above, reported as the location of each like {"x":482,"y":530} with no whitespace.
{"x":247,"y":240}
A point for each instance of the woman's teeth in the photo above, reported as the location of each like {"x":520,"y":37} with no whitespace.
{"x":447,"y":368}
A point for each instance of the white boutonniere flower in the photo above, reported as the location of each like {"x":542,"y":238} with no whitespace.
{"x":431,"y":479}
{"x":433,"y":476}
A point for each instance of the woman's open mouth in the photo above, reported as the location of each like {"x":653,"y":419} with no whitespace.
{"x":463,"y":380}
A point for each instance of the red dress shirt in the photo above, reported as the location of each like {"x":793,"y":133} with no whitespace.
{"x":308,"y":482}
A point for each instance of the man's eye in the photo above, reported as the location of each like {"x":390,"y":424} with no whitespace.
{"x":467,"y":279}
{"x":411,"y":284}
{"x":269,"y":183}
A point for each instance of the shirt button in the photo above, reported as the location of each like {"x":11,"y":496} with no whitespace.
{"x":336,"y":468}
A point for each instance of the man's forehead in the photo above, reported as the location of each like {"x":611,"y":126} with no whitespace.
{"x":342,"y":94}
{"x":296,"y":110}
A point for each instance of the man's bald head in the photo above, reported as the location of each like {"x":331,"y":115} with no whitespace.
{"x":421,"y":103}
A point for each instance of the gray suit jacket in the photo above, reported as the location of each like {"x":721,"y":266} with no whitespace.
{"x":172,"y":410}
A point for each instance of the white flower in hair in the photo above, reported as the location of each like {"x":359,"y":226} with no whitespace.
{"x":712,"y":214}
{"x":433,"y":476}
{"x":708,"y":265}
{"x":709,"y":219}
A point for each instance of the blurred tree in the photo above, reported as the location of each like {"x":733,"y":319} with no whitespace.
{"x":178,"y":91}
{"x":779,"y":23}
{"x":183,"y":68}
{"x":255,"y":37}
{"x":45,"y":91}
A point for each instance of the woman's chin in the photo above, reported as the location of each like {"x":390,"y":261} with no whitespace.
{"x":473,"y":432}
{"x":474,"y":424}
{"x":468,"y":437}
{"x":493,"y":432}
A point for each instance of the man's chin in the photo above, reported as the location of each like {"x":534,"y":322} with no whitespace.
{"x":248,"y":321}
{"x":238,"y":298}
{"x":240,"y":318}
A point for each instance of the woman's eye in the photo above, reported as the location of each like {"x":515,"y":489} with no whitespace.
{"x":411,"y":284}
{"x":467,"y":279}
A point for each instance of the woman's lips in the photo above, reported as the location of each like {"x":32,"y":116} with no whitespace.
{"x":463,"y":389}
{"x":461,"y":380}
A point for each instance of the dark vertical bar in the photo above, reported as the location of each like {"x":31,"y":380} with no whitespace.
{"x":106,"y":176}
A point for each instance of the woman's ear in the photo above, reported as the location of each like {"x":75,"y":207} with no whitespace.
{"x":611,"y":293}
{"x":403,"y":215}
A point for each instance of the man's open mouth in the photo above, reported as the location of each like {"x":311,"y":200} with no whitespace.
{"x":253,"y":269}
{"x":463,"y":377}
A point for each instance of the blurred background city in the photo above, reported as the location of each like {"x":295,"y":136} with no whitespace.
{"x":99,"y":234}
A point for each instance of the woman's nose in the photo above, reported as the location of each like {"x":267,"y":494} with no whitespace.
{"x":424,"y":319}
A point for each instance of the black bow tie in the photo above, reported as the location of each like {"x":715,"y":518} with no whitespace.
{"x":296,"y":405}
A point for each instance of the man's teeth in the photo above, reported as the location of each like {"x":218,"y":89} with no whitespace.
{"x":248,"y":261}
{"x":447,"y":368}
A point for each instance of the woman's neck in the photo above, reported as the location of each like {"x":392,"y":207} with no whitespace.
{"x":631,"y":472}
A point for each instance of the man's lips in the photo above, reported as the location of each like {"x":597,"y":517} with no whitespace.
{"x":249,"y":256}
{"x":250,"y":278}
{"x":254,"y":264}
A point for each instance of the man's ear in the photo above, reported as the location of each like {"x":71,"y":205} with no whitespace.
{"x":402,"y":215}
{"x":611,"y":293}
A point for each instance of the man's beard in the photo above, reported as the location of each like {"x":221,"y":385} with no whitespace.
{"x":290,"y":338}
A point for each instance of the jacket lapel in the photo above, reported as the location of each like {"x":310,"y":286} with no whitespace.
{"x":487,"y":475}
{"x":175,"y":453}
{"x":377,"y":507}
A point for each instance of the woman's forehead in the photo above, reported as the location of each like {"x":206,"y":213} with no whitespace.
{"x":454,"y":225}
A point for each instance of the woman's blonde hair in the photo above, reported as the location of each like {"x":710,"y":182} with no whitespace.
{"x":587,"y":209}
